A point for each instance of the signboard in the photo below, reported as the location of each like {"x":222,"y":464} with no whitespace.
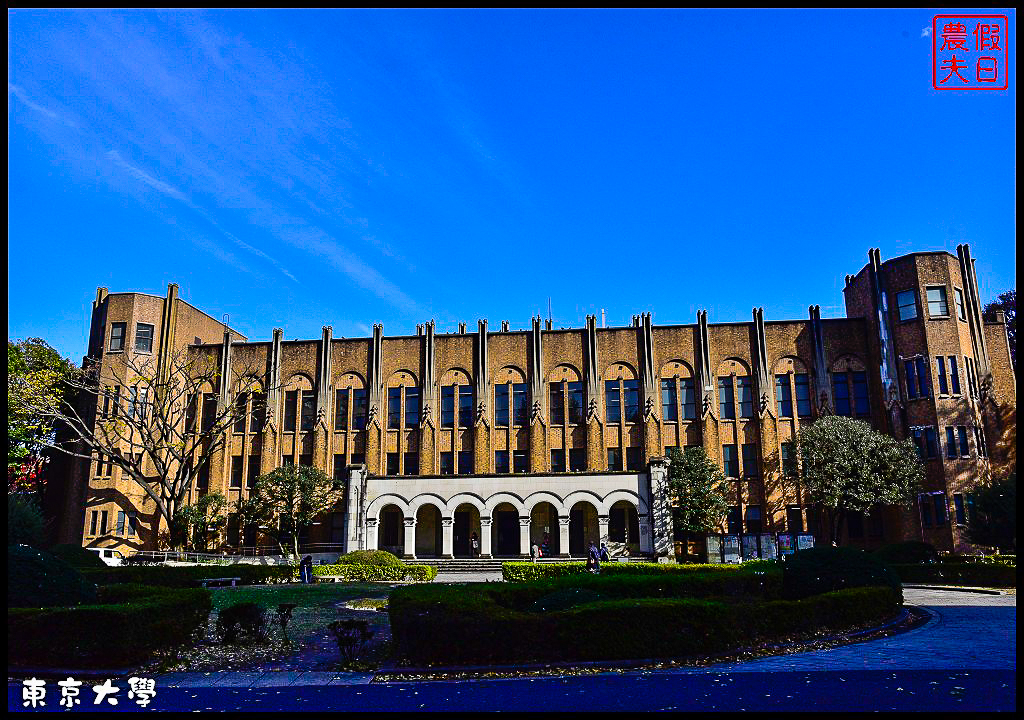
{"x":714,"y":548}
{"x":768,"y":549}
{"x":804,"y":541}
{"x":786,"y":545}
{"x":750,"y":547}
{"x":731,"y":548}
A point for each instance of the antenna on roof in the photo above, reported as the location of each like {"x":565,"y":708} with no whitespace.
{"x":602,"y":317}
{"x":226,"y":319}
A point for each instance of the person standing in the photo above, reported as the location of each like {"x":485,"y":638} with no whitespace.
{"x":594,"y":558}
{"x":306,"y":569}
{"x":474,"y":546}
{"x":604,"y":553}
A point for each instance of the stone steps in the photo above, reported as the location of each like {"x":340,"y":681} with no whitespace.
{"x":481,"y":565}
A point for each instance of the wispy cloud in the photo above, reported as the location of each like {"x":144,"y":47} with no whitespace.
{"x":926,"y":32}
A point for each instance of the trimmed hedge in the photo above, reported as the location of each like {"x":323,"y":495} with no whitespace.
{"x":186,"y":576}
{"x":731,"y":582}
{"x":377,"y":573}
{"x":823,"y":569}
{"x":905,"y":553}
{"x":516,"y":572}
{"x":482,"y":623}
{"x":369,"y":557}
{"x":134,"y":622}
{"x":971,"y":574}
{"x":39,"y":579}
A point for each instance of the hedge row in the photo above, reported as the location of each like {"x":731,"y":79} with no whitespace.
{"x":185,"y":576}
{"x":692,"y":582}
{"x":976,"y":574}
{"x":477,"y":628}
{"x":377,"y":573}
{"x":128,"y":624}
{"x":517,"y":572}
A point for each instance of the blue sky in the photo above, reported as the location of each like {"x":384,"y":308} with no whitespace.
{"x":304,"y":168}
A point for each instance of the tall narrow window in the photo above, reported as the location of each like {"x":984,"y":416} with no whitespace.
{"x":634,"y":459}
{"x":143,"y":337}
{"x":940,"y":368}
{"x":958,"y":298}
{"x":412,"y":463}
{"x":726,"y":408}
{"x":750,"y":460}
{"x":937,"y":305}
{"x":447,"y":463}
{"x":746,"y":389}
{"x":940,"y":509}
{"x":291,"y":401}
{"x":448,"y":406}
{"x":860,"y":394}
{"x":520,"y":403}
{"x":735,"y":520}
{"x":556,"y":403}
{"x":254,"y":471}
{"x":259,"y":412}
{"x":236,"y":472}
{"x":689,"y":398}
{"x":209,"y":411}
{"x":931,"y":442}
{"x":954,"y":375}
{"x":501,"y":405}
{"x":631,"y":390}
{"x":668,"y":400}
{"x":465,"y":406}
{"x":922,"y":377}
{"x":575,"y":391}
{"x":117,"y":337}
{"x":612,"y":402}
{"x":359,"y":407}
{"x":577,"y":460}
{"x":803,"y":394}
{"x":341,"y":409}
{"x":241,"y":406}
{"x":501,"y":461}
{"x":465,"y":462}
{"x":614,"y":459}
{"x":133,"y":399}
{"x":783,"y":399}
{"x":950,"y":442}
{"x":308,"y":409}
{"x":730,"y":462}
{"x":391,"y":460}
{"x":961,"y":432}
{"x":958,"y":506}
{"x":841,"y":390}
{"x":412,"y":409}
{"x":394,"y":408}
{"x":908,"y":367}
{"x":753,"y":518}
{"x":339,"y":470}
{"x":520,"y":462}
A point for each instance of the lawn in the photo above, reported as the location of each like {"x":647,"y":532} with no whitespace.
{"x":309,"y":645}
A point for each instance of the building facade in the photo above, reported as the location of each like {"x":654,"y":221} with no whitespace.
{"x":560,"y":437}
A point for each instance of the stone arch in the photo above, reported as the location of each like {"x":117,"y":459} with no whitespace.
{"x":349,"y":379}
{"x":676,"y":368}
{"x":429,"y":541}
{"x":456,"y":376}
{"x":506,"y":535}
{"x":583,"y":523}
{"x":789,"y":364}
{"x":402,"y":378}
{"x":428,"y":499}
{"x":623,"y":528}
{"x":505,"y":497}
{"x":620,"y":370}
{"x":538,"y":497}
{"x":249,"y":384}
{"x":616,"y":496}
{"x":564,"y":372}
{"x":390,"y":529}
{"x":509,"y":374}
{"x":374,"y":508}
{"x":848,"y":363}
{"x":544,"y":525}
{"x":733,"y":366}
{"x":465,"y":499}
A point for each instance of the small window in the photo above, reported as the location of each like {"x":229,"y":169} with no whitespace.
{"x":447,"y":463}
{"x":937,"y":305}
{"x":961,"y":432}
{"x":501,"y":405}
{"x":412,"y":407}
{"x":783,"y":398}
{"x":689,"y":398}
{"x":954,"y":375}
{"x":906,"y":302}
{"x":465,"y":406}
{"x":746,"y":389}
{"x":803,"y":395}
{"x":951,"y":446}
{"x":940,"y":509}
{"x":908,"y":368}
{"x":143,"y":337}
{"x":236,"y":472}
{"x":520,"y":462}
{"x":940,"y":366}
{"x":841,"y":390}
{"x":923,"y":385}
{"x":631,"y":388}
{"x":241,"y":406}
{"x":412,"y":463}
{"x":612,"y":402}
{"x":392,"y":464}
{"x":614,"y":459}
{"x":558,"y":461}
{"x":753,"y":518}
{"x":339,"y":470}
{"x":117,"y":337}
{"x":577,"y":460}
{"x":575,"y":390}
{"x":359,"y":407}
{"x":668,"y":400}
{"x":931,"y":442}
{"x":556,"y":403}
{"x":341,"y":409}
{"x":291,"y":400}
{"x":254,"y":471}
{"x":750,"y":460}
{"x":448,"y":406}
{"x":726,"y":409}
{"x":958,"y":506}
{"x":730,"y":462}
{"x":465,"y":462}
{"x":520,"y":404}
{"x":501,"y":461}
{"x":860,"y":394}
{"x":394,"y":408}
{"x":634,"y":459}
{"x":735,"y":520}
{"x":308,"y":409}
{"x":794,"y":519}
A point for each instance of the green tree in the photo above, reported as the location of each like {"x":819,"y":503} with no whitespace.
{"x":286,"y":500}
{"x":24,"y":520}
{"x":35,"y":377}
{"x":1007,"y":302}
{"x":847,"y":466}
{"x":698,"y":489}
{"x":994,"y":522}
{"x":204,"y":520}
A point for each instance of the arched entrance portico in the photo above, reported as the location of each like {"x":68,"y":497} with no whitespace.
{"x":544,"y":529}
{"x":623,"y":529}
{"x":391,"y":531}
{"x":505,"y":532}
{"x":428,"y":531}
{"x":466,"y":524}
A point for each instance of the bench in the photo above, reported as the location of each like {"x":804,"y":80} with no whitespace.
{"x":218,"y":581}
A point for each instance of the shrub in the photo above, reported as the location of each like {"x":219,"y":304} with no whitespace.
{"x":351,"y":636}
{"x":188,"y":576}
{"x":129,"y":624}
{"x":913,"y":551}
{"x":377,"y":573}
{"x":77,"y":556}
{"x":977,"y":574}
{"x":369,"y":557}
{"x":823,"y":569}
{"x":564,"y":599}
{"x":244,"y":619}
{"x":493,"y":623}
{"x":24,"y":521}
{"x":39,"y":579}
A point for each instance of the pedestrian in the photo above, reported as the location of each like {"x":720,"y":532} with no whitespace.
{"x":604,"y":553}
{"x":594,"y":559}
{"x":545,"y":545}
{"x":306,"y":569}
{"x":474,"y":546}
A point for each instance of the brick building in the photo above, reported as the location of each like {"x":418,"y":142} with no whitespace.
{"x":518,"y":435}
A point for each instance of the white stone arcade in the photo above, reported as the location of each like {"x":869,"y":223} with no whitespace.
{"x":415,"y":516}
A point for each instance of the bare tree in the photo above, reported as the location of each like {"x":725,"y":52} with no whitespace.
{"x":160,"y":422}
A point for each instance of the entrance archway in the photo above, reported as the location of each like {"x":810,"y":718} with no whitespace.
{"x":466,"y":524}
{"x":391,"y":533}
{"x":428,"y":531}
{"x":544,"y":529}
{"x":505,"y":531}
{"x":623,"y":529}
{"x":583,"y":528}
